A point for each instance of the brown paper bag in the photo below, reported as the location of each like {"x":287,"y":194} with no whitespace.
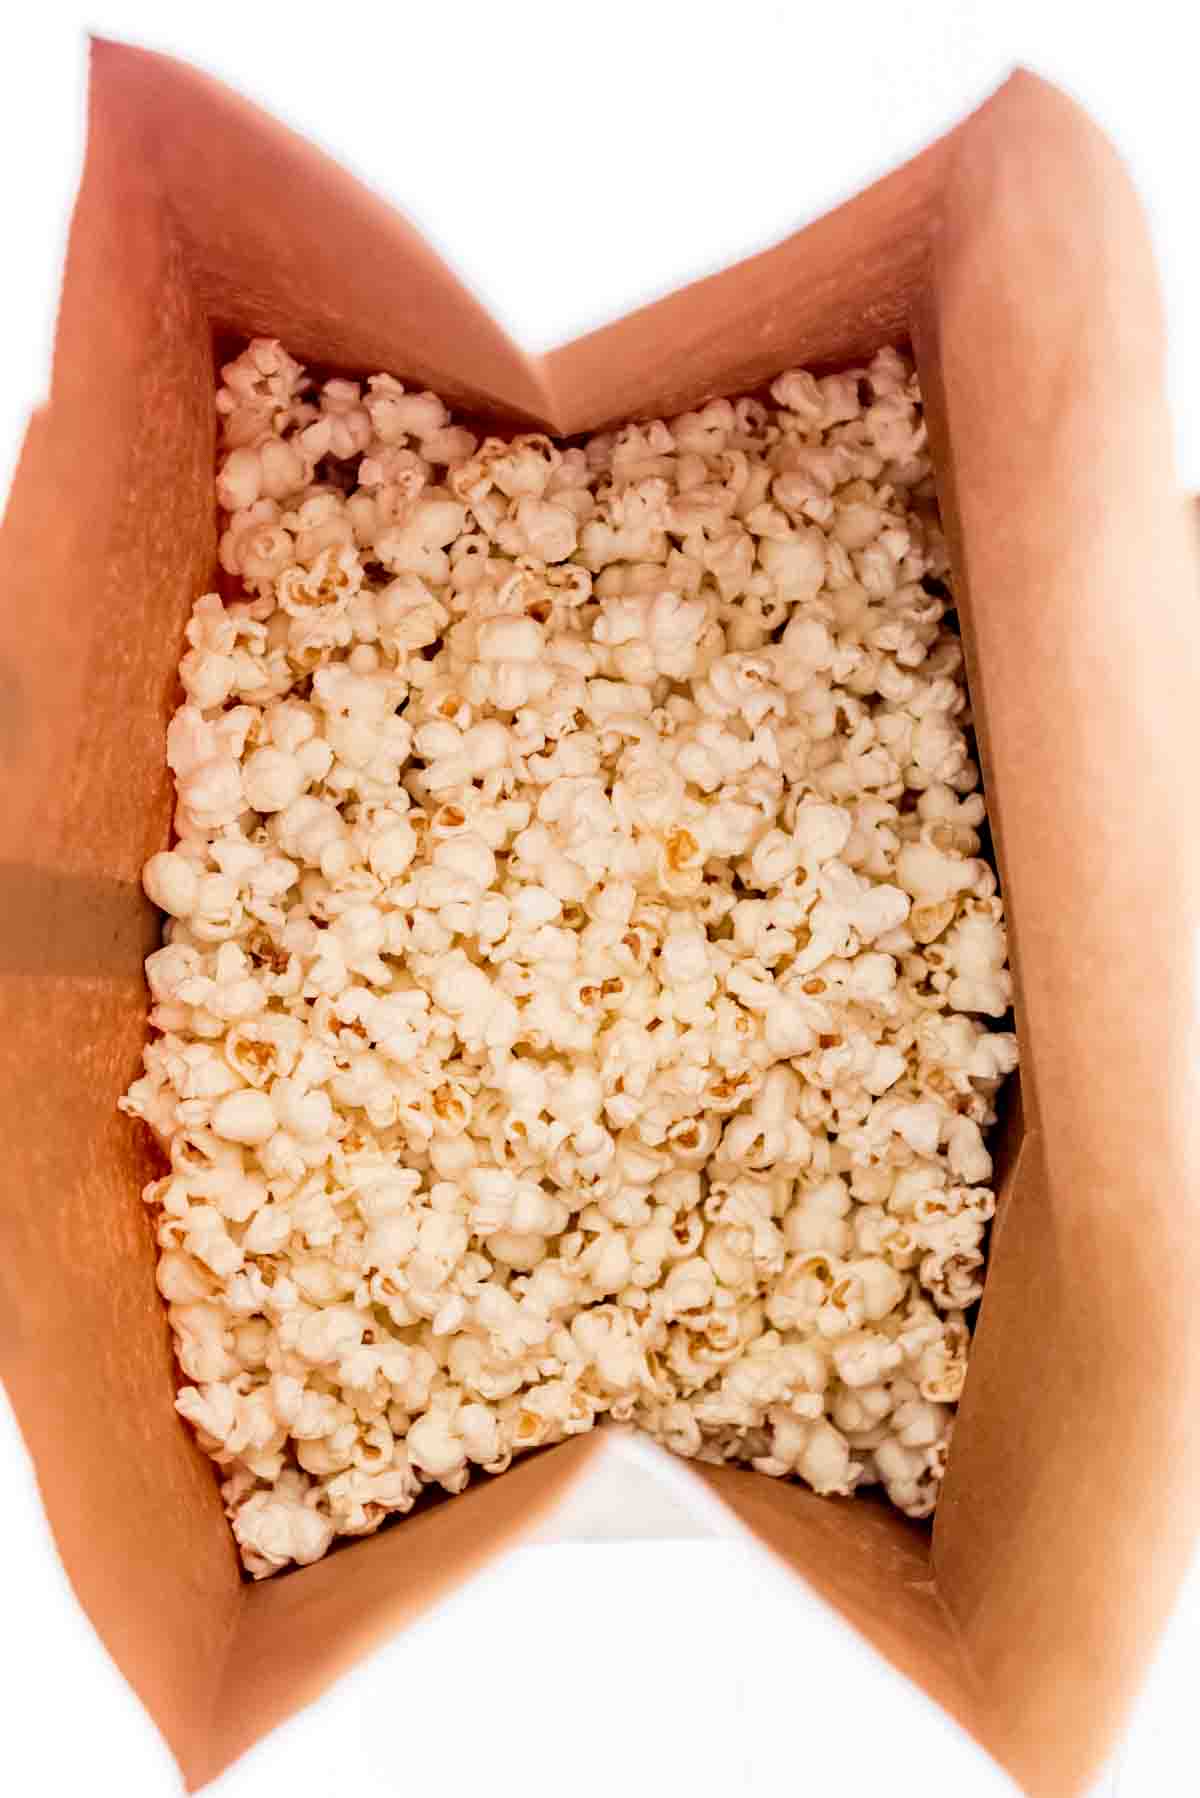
{"x":1013,"y":255}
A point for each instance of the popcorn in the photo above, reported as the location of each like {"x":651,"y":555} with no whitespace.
{"x":435,"y":1447}
{"x":279,"y":1525}
{"x":272,"y":779}
{"x":578,"y":952}
{"x":247,"y":1116}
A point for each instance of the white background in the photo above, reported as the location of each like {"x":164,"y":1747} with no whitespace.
{"x":574,"y":159}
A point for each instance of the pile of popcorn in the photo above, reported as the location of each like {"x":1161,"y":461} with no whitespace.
{"x":579,"y":959}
